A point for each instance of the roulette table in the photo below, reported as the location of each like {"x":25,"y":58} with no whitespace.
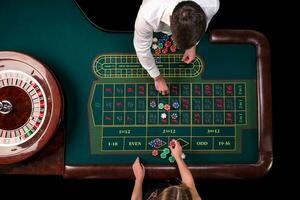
{"x":75,"y":102}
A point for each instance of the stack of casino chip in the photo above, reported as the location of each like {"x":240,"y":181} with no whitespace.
{"x":155,"y":143}
{"x":163,"y":45}
{"x":162,"y":106}
{"x":167,"y":108}
{"x":166,"y":151}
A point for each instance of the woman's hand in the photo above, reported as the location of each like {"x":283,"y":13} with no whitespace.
{"x":176,"y":151}
{"x":138,"y":170}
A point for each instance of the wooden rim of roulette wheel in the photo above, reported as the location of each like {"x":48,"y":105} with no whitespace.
{"x":30,"y":106}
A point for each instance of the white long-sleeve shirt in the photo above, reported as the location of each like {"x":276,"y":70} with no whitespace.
{"x":154,"y":16}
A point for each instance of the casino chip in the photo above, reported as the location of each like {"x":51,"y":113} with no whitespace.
{"x":171,"y":159}
{"x":174,"y":115}
{"x":154,"y":40}
{"x":167,"y":107}
{"x":155,"y":152}
{"x":165,"y":37}
{"x":173,"y":48}
{"x":163,"y":115}
{"x":164,"y":50}
{"x":160,"y":45}
{"x":154,"y":46}
{"x":152,"y":103}
{"x":163,"y":156}
{"x":172,"y":143}
{"x":175,"y":105}
{"x":151,"y":143}
{"x":160,"y":106}
{"x":183,"y":156}
{"x":157,"y":59}
{"x":157,"y":52}
{"x":166,"y":150}
{"x":168,"y":44}
{"x":157,"y":143}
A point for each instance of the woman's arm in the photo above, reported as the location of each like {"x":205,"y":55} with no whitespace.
{"x":139,"y":173}
{"x":185,"y":173}
{"x":137,"y":193}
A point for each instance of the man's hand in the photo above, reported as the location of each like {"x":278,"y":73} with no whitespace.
{"x":161,"y":86}
{"x":138,"y":170}
{"x":189,"y":55}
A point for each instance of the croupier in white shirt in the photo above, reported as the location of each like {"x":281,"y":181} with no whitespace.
{"x":186,"y":20}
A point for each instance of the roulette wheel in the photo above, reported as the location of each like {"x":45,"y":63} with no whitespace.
{"x":30,"y":106}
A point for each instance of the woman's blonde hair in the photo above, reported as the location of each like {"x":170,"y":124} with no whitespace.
{"x":176,"y":192}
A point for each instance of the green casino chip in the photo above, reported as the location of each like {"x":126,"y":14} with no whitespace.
{"x":171,"y":159}
{"x":163,"y":155}
{"x":161,"y":106}
{"x":166,"y":150}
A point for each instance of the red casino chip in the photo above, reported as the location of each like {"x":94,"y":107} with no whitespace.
{"x":168,"y":44}
{"x":164,"y":50}
{"x":167,"y":107}
{"x":173,"y":48}
{"x":172,"y":143}
{"x":155,"y":152}
{"x":157,"y":52}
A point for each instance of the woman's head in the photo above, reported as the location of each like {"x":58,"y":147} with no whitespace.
{"x":176,"y":192}
{"x":188,"y":24}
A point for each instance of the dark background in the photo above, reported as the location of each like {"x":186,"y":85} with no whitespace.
{"x":268,"y":18}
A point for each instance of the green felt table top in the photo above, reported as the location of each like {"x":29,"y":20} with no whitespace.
{"x":58,"y":34}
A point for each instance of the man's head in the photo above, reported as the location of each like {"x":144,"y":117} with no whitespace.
{"x":188,"y":24}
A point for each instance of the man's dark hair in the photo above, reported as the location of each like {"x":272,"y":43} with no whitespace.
{"x":188,"y":24}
